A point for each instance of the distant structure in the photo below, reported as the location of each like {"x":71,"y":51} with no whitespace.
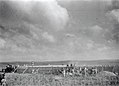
{"x":32,"y":63}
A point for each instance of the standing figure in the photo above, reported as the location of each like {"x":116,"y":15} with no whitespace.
{"x":64,"y":72}
{"x":33,"y":71}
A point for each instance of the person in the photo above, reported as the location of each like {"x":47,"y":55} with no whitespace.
{"x":116,"y":70}
{"x":33,"y":71}
{"x":2,"y":79}
{"x":64,"y":72}
{"x":3,"y":82}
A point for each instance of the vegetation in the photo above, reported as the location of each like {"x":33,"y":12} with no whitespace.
{"x":51,"y":80}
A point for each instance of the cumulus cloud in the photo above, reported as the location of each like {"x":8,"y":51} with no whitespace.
{"x":113,"y":13}
{"x":24,"y":22}
{"x":113,"y":4}
{"x":115,"y":19}
{"x":85,"y":47}
{"x":48,"y":37}
{"x":48,"y":12}
{"x":57,"y":15}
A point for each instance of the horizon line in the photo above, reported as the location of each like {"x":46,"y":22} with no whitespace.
{"x":62,"y":60}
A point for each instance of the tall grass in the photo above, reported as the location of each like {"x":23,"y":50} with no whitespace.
{"x":51,"y":80}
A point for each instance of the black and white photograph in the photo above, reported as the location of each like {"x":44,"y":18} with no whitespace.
{"x":59,"y":42}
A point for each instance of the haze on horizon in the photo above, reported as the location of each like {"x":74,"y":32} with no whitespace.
{"x":53,"y":30}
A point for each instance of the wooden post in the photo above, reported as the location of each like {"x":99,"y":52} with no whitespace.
{"x":25,"y":70}
{"x":102,"y":68}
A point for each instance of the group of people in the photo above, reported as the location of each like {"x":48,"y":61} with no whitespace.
{"x":8,"y":69}
{"x":83,"y":71}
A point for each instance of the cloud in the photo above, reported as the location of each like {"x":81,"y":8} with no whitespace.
{"x":75,"y":0}
{"x":25,"y":23}
{"x":69,"y":35}
{"x":96,"y":30}
{"x":57,"y":15}
{"x":36,"y":28}
{"x":113,"y":4}
{"x":82,"y":47}
{"x":115,"y":19}
{"x":113,"y":14}
{"x":48,"y":37}
{"x":49,"y":13}
{"x":2,"y":43}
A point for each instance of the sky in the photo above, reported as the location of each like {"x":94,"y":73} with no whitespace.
{"x":57,"y":30}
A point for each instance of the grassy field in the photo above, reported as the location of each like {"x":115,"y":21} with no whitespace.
{"x":51,"y":80}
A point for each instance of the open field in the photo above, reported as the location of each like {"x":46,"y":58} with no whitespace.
{"x":51,"y":80}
